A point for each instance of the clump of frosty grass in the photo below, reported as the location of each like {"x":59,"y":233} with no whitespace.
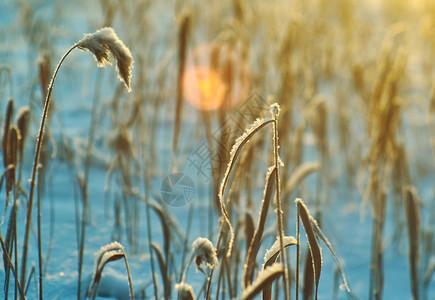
{"x":103,"y":41}
{"x":203,"y":250}
{"x":100,"y":43}
{"x":185,"y":291}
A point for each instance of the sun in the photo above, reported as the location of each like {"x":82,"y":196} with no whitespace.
{"x":215,"y":78}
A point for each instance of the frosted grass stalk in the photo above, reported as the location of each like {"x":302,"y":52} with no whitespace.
{"x":100,"y":44}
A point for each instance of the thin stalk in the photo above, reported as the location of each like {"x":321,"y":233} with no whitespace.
{"x":16,"y":239}
{"x":148,"y":216}
{"x":129,"y":275}
{"x":186,"y":239}
{"x":207,"y":293}
{"x":39,"y":238}
{"x":298,"y":253}
{"x":39,"y":138}
{"x":88,"y":159}
{"x":9,"y":260}
{"x":279,"y":211}
{"x":83,"y":188}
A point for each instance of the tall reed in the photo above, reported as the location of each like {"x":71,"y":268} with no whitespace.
{"x":100,"y":44}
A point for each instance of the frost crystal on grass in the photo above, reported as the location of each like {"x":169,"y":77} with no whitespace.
{"x":235,"y":150}
{"x":276,"y":247}
{"x":264,"y":278}
{"x":105,"y":253}
{"x":103,"y":41}
{"x":203,"y":250}
{"x":275,"y":109}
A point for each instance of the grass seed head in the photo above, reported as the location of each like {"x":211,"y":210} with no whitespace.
{"x":203,"y":250}
{"x":103,"y":41}
{"x":185,"y":291}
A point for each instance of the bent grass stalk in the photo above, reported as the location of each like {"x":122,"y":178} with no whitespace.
{"x":108,"y":253}
{"x":248,"y":270}
{"x":315,"y":250}
{"x":235,"y":152}
{"x":265,"y":278}
{"x":270,"y":258}
{"x":275,"y":109}
{"x":100,"y":44}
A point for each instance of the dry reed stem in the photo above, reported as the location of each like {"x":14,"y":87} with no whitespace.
{"x":376,"y":265}
{"x":413,"y":220}
{"x":6,"y":148}
{"x":100,"y":44}
{"x":235,"y":151}
{"x":299,"y":174}
{"x":431,"y":118}
{"x":315,"y":250}
{"x":7,"y":124}
{"x":249,"y":229}
{"x":163,"y":269}
{"x":12,"y":157}
{"x":9,"y":263}
{"x":23,"y":119}
{"x":275,"y":110}
{"x":165,"y":227}
{"x":183,"y":37}
{"x":251,"y":257}
{"x":328,"y":244}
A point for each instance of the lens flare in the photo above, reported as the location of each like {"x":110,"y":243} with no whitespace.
{"x":204,"y":88}
{"x":215,"y":78}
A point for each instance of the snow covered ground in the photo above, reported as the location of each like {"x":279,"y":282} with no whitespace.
{"x":24,"y":29}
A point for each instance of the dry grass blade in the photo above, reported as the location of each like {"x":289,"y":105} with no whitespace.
{"x":250,"y":263}
{"x":299,"y":174}
{"x":270,"y":258}
{"x":23,"y":119}
{"x":183,"y":36}
{"x":163,"y":269}
{"x":376,"y":268}
{"x":431,"y":118}
{"x":307,"y":288}
{"x":249,"y":229}
{"x":6,"y":145}
{"x":8,"y":119}
{"x":8,"y":262}
{"x":428,"y":275}
{"x":265,"y":278}
{"x":413,"y":219}
{"x":235,"y":152}
{"x":320,"y":234}
{"x":165,"y":226}
{"x":272,"y":254}
{"x":11,"y":158}
{"x":315,"y":250}
{"x":108,"y":253}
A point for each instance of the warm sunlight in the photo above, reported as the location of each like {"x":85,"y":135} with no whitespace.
{"x":204,"y":88}
{"x":216,"y":78}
